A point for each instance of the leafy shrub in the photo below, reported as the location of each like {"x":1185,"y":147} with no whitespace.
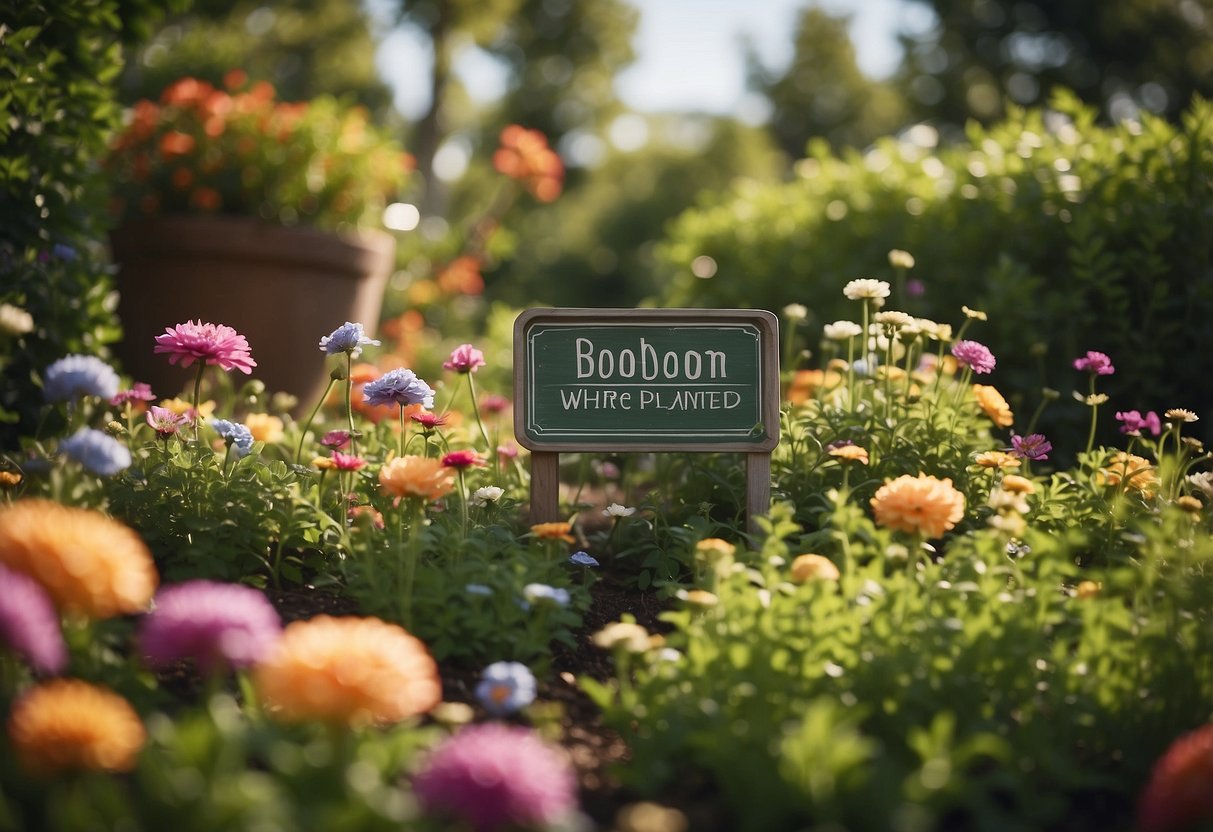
{"x":1072,"y":235}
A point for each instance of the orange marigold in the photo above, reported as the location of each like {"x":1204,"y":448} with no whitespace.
{"x":265,"y":427}
{"x":918,"y":505}
{"x":996,"y":459}
{"x":1136,"y":472}
{"x":416,"y":476}
{"x":849,"y":453}
{"x":70,"y":725}
{"x":87,"y":562}
{"x":993,"y":405}
{"x":813,"y":568}
{"x":524,"y":155}
{"x":554,"y":531}
{"x":806,"y":383}
{"x":356,"y":671}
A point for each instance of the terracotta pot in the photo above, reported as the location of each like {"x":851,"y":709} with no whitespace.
{"x":282,"y":288}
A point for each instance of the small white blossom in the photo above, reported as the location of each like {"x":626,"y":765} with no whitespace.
{"x":795,"y":312}
{"x":866,"y":288}
{"x":14,"y":320}
{"x":484,"y":496}
{"x":617,"y":510}
{"x":842,"y":330}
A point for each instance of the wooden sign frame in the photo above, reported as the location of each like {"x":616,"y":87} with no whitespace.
{"x":760,"y":394}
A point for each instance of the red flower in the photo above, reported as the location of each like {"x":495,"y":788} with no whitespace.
{"x":462,"y":459}
{"x":1178,"y":794}
{"x":428,"y":420}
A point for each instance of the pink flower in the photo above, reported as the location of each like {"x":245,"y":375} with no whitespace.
{"x":29,"y":625}
{"x":493,"y":404}
{"x":507,"y":451}
{"x":974,"y":355}
{"x":347,"y":462}
{"x":139,"y":392}
{"x":462,"y":459}
{"x":464,"y":359}
{"x":1134,"y":423}
{"x":208,"y":343}
{"x":1096,"y":363}
{"x":336,"y":439}
{"x":217,"y":625}
{"x":497,"y":777}
{"x":428,"y":420}
{"x":164,"y":421}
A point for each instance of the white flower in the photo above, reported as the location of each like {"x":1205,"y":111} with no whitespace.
{"x":1202,"y":482}
{"x":484,"y":496}
{"x":616,"y":510}
{"x":899,"y":259}
{"x":795,"y":312}
{"x":14,"y":320}
{"x":477,"y":589}
{"x":842,"y":330}
{"x":535,"y":593}
{"x":892,"y":317}
{"x":866,"y":288}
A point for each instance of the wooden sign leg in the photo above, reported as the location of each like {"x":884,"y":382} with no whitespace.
{"x":545,"y":486}
{"x":757,"y":488}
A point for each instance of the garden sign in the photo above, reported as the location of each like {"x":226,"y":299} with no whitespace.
{"x":668,"y":380}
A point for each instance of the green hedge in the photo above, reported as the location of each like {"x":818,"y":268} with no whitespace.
{"x":1072,"y":236}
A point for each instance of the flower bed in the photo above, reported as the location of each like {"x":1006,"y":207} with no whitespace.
{"x":933,"y":630}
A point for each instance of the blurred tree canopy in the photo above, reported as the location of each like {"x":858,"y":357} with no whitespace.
{"x":1119,"y":56}
{"x":304,"y":48}
{"x":823,"y":93}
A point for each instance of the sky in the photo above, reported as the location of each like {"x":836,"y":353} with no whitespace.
{"x":690,"y":53}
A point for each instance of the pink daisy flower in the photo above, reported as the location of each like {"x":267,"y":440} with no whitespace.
{"x":464,"y":359}
{"x":207,"y":343}
{"x":347,"y":462}
{"x":1096,"y":363}
{"x":427,"y":420}
{"x":462,"y":459}
{"x":974,"y":355}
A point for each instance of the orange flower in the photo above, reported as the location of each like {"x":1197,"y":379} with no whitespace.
{"x":176,"y":143}
{"x":416,"y":476}
{"x":348,"y":670}
{"x":993,"y":404}
{"x":1016,"y":484}
{"x":813,"y":568}
{"x":996,"y":459}
{"x":554,"y":531}
{"x":207,"y":199}
{"x":70,"y":725}
{"x":1136,"y":473}
{"x":918,"y":505}
{"x":86,"y":562}
{"x":806,"y":383}
{"x":461,"y":277}
{"x":524,"y":155}
{"x":849,"y":453}
{"x":264,"y":427}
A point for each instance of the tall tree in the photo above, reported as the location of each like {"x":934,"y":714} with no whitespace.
{"x":985,"y":54}
{"x":823,"y":93}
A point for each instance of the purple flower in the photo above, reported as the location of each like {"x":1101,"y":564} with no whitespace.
{"x":506,"y":687}
{"x":140,"y":392}
{"x":1033,"y":446}
{"x":974,"y":355}
{"x":235,"y":435}
{"x":98,"y":452}
{"x":1095,"y":363}
{"x":1134,"y":423}
{"x":346,"y":338}
{"x":28,"y":623}
{"x":217,"y":625}
{"x":497,"y":777}
{"x":400,"y":386}
{"x":79,"y":375}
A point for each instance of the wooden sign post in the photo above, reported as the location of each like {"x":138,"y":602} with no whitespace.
{"x":665,"y":380}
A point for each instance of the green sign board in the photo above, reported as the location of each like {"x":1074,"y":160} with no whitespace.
{"x":646,"y":379}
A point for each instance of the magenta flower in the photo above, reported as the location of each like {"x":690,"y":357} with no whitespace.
{"x":164,"y":421}
{"x":1033,"y":446}
{"x":336,"y":439}
{"x":217,"y":625}
{"x":427,"y":420}
{"x":497,"y":777}
{"x":208,"y":343}
{"x":347,"y":462}
{"x":493,"y":404}
{"x":462,"y":459}
{"x":1134,"y":423}
{"x":29,"y":624}
{"x":464,"y":359}
{"x":140,"y":392}
{"x":974,"y":355}
{"x":1096,"y":363}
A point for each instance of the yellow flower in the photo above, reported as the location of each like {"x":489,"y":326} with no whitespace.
{"x":627,"y":635}
{"x":87,"y":562}
{"x":700,"y":598}
{"x":354,"y":671}
{"x":1189,"y":504}
{"x":650,"y":817}
{"x":849,"y":453}
{"x":554,"y":531}
{"x":70,"y":725}
{"x":974,"y":314}
{"x":264,"y":427}
{"x":996,"y":459}
{"x":806,"y":383}
{"x":9,"y":479}
{"x":918,"y":505}
{"x":324,"y":463}
{"x":182,"y":408}
{"x":807,"y":568}
{"x":993,"y":405}
{"x":1087,"y":589}
{"x":416,"y":476}
{"x":714,"y":547}
{"x":1017,"y":484}
{"x":1135,"y":472}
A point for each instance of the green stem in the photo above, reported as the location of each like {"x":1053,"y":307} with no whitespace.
{"x":349,"y":402}
{"x":400,"y":441}
{"x":411,"y":554}
{"x":197,"y":397}
{"x":1094,"y":415}
{"x":311,"y":417}
{"x":476,"y":410}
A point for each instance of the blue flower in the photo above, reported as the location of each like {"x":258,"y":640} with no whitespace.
{"x":79,"y":375}
{"x":583,"y":559}
{"x":235,"y":434}
{"x":535,"y":593}
{"x":505,"y":687}
{"x":347,"y":338}
{"x":478,"y":589}
{"x":96,"y":451}
{"x":400,"y":386}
